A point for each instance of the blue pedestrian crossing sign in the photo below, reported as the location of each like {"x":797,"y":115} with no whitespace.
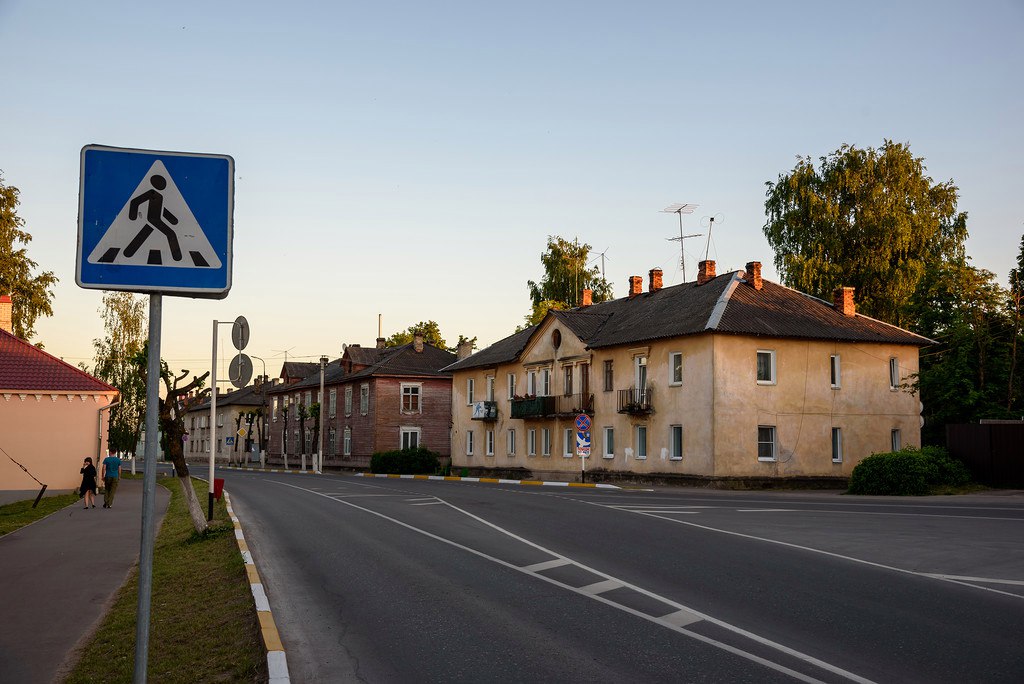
{"x":155,"y":222}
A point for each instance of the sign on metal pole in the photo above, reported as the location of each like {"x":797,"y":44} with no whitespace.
{"x":157,"y":222}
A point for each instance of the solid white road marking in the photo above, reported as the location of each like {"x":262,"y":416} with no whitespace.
{"x":803,"y":657}
{"x":546,"y":565}
{"x":601,"y":587}
{"x":811,"y":549}
{"x":961,"y":578}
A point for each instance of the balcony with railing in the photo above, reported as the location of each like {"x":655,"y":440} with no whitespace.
{"x":573,"y":404}
{"x":636,"y":401}
{"x":532,"y":407}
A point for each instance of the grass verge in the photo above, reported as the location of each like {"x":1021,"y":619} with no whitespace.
{"x":21,"y":513}
{"x":203,"y":624}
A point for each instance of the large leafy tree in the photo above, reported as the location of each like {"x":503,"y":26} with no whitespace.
{"x":1015,"y":307}
{"x":177,"y":400}
{"x":867,"y":218}
{"x":32,"y":295}
{"x":125,"y":326}
{"x":430,"y":330}
{"x":566,"y":275}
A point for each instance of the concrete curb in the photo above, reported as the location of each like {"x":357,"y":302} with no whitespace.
{"x":277,"y":663}
{"x":444,"y":478}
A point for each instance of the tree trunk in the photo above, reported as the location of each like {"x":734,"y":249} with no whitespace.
{"x":195,"y":510}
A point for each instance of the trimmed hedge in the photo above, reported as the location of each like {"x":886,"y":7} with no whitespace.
{"x":909,"y":472}
{"x":419,"y":461}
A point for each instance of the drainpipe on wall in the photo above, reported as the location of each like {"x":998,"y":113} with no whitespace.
{"x":99,"y":433}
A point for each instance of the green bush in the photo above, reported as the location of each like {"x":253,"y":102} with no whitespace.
{"x":417,"y":461}
{"x":908,"y":472}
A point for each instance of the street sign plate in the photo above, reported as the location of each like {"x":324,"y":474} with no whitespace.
{"x":240,"y":333}
{"x":155,"y":222}
{"x":583,"y":422}
{"x":229,"y":441}
{"x":583,"y":443}
{"x":240,"y":370}
{"x":242,"y":432}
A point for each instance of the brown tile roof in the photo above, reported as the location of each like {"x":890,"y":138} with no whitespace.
{"x":25,"y":367}
{"x":726,"y":304}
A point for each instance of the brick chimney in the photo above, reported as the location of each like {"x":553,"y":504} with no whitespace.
{"x":655,"y":281}
{"x":842,"y":301}
{"x":417,"y":343}
{"x":381,"y":342}
{"x":6,"y":314}
{"x":464,"y":350}
{"x":754,"y":274}
{"x":705,"y":272}
{"x":636,"y":286}
{"x":588,"y":298}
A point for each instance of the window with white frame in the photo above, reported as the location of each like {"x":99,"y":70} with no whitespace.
{"x":332,"y":442}
{"x":489,"y":384}
{"x":510,"y":442}
{"x":835,"y":376}
{"x":410,"y":437}
{"x":641,"y":442}
{"x":896,"y":439}
{"x":676,"y":442}
{"x":470,"y":386}
{"x":219,"y":440}
{"x":511,"y":385}
{"x":545,"y":442}
{"x":309,"y":399}
{"x":220,"y":419}
{"x":675,"y":368}
{"x":640,"y":372}
{"x":567,"y":381}
{"x":273,"y":412}
{"x":347,"y":442}
{"x":609,"y":376}
{"x":765,"y":442}
{"x":531,"y":383}
{"x":489,"y":443}
{"x":545,"y":383}
{"x":570,"y":442}
{"x":894,"y":373}
{"x":765,"y":367}
{"x":609,"y":442}
{"x":348,"y":401}
{"x":411,"y":398}
{"x":364,"y":399}
{"x":469,"y":443}
{"x":531,"y":442}
{"x":296,"y":443}
{"x":837,"y":445}
{"x":332,"y":402}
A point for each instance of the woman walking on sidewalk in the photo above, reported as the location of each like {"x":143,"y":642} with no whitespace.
{"x":88,"y":486}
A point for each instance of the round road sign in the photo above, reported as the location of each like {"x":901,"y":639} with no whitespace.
{"x":240,"y":333}
{"x":583,"y":422}
{"x":240,"y":370}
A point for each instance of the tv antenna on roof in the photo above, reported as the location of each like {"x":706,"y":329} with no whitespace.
{"x":283,"y":351}
{"x":601,"y":255}
{"x":711,"y":221}
{"x":681,"y":209}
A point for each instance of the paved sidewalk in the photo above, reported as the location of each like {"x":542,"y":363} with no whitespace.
{"x":59,"y":575}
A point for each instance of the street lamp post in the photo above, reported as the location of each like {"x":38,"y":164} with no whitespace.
{"x":320,"y":446}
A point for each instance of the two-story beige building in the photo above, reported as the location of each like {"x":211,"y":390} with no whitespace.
{"x":729,"y":377}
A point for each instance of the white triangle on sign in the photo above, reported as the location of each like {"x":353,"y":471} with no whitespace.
{"x":155,"y":227}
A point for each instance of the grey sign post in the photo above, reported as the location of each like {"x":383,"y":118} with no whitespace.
{"x":239,"y":374}
{"x":121,"y":247}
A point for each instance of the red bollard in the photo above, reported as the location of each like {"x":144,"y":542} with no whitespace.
{"x":218,"y":487}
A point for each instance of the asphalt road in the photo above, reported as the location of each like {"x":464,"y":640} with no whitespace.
{"x":384,"y":580}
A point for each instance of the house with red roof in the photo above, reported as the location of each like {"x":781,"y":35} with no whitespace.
{"x":52,"y":415}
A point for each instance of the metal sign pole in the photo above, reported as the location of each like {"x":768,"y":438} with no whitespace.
{"x":148,"y":491}
{"x":213,"y":419}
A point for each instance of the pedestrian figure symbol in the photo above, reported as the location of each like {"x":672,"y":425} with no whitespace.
{"x":155,"y":227}
{"x":154,"y":219}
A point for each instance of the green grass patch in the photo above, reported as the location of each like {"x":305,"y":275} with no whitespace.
{"x":203,"y":625}
{"x":21,"y":513}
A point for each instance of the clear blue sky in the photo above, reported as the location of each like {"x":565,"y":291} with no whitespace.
{"x":409,"y":159}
